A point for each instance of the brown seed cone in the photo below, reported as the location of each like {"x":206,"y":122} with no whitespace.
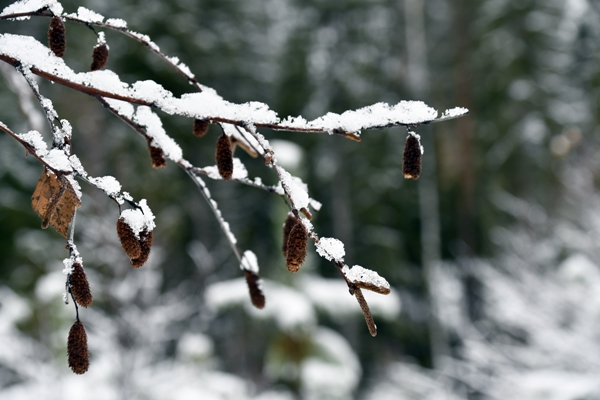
{"x":289,"y":223}
{"x":201,"y":127}
{"x":77,"y":349}
{"x":296,"y":247}
{"x":411,"y":165}
{"x":99,"y":57}
{"x":57,"y":40}
{"x":157,"y":156}
{"x":256,"y":294}
{"x":145,"y":242}
{"x":80,"y":286}
{"x":129,"y":242}
{"x":224,"y":157}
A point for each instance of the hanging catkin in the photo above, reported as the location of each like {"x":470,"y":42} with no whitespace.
{"x":77,"y":349}
{"x":80,"y":287}
{"x":99,"y":57}
{"x":296,"y":247}
{"x":411,"y":164}
{"x":57,"y":40}
{"x":224,"y":157}
{"x":256,"y":294}
{"x":289,"y":223}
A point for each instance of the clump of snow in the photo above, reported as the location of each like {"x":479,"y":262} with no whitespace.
{"x":57,"y":160}
{"x":249,"y":262}
{"x":35,"y":140}
{"x":455,"y":112}
{"x":123,"y":108}
{"x":366,"y":278}
{"x":331,"y":248}
{"x":85,"y":15}
{"x":139,"y":219}
{"x":109,"y":184}
{"x":26,"y":6}
{"x":145,"y":117}
{"x":117,"y":23}
{"x":295,"y":188}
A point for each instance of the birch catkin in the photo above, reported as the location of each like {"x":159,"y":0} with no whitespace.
{"x":77,"y":349}
{"x":57,"y":40}
{"x":224,"y":157}
{"x":99,"y":57}
{"x":411,"y":164}
{"x":296,"y":247}
{"x":80,"y":287}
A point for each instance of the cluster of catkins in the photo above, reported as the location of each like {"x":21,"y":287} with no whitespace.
{"x":138,"y":250}
{"x":57,"y":41}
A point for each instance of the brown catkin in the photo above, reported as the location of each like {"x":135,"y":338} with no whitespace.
{"x":80,"y":286}
{"x":57,"y":40}
{"x":99,"y":57}
{"x":129,"y":242}
{"x":224,"y":157}
{"x":77,"y":349}
{"x":145,"y":242}
{"x":289,"y":223}
{"x":201,"y":127}
{"x":256,"y":294}
{"x":296,"y":247}
{"x":411,"y":164}
{"x":157,"y":156}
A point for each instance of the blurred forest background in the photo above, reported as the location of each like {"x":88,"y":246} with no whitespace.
{"x":492,"y":255}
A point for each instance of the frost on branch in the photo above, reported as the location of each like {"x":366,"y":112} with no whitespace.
{"x":366,"y":279}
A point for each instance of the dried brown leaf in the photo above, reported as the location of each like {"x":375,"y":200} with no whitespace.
{"x":55,"y":201}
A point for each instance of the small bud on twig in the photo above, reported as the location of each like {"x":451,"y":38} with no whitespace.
{"x":201,"y":127}
{"x":80,"y":287}
{"x":57,"y":40}
{"x":411,"y":165}
{"x":77,"y":349}
{"x":224,"y":157}
{"x":296,"y":247}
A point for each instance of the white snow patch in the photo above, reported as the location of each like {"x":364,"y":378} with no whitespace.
{"x":86,"y":15}
{"x":109,"y":184}
{"x":358,"y":274}
{"x":26,"y":6}
{"x":144,"y":116}
{"x":331,"y":248}
{"x":117,"y":23}
{"x":455,"y":112}
{"x":57,"y":160}
{"x":35,"y":139}
{"x":295,"y":188}
{"x":249,"y":262}
{"x":139,"y":219}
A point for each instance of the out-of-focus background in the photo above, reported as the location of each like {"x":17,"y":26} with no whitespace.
{"x":492,"y":255}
